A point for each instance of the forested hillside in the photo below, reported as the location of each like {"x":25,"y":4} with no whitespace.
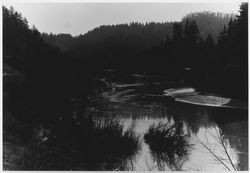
{"x":48,"y":75}
{"x":120,"y":46}
{"x":209,"y":22}
{"x":152,"y":47}
{"x":137,"y":36}
{"x":166,"y":48}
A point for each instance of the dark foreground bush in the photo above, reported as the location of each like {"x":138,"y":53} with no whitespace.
{"x":110,"y":144}
{"x":102,"y":145}
{"x":168,"y":144}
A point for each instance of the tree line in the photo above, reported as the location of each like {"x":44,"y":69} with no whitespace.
{"x":138,"y":34}
{"x":49,"y":77}
{"x":120,"y":46}
{"x":56,"y":71}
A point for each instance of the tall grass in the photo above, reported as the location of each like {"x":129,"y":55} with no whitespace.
{"x":168,"y":144}
{"x":110,"y":143}
{"x":93,"y":144}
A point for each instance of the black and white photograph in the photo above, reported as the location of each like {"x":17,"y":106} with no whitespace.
{"x":125,"y":86}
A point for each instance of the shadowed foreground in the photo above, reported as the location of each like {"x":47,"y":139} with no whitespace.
{"x":103,"y":145}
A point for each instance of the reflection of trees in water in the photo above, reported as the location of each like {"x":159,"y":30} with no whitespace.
{"x":232,"y":132}
{"x":196,"y":117}
{"x":237,"y":136}
{"x":218,"y":147}
{"x":168,"y":144}
{"x":227,"y":150}
{"x":242,"y":164}
{"x":193,"y":116}
{"x":231,"y":125}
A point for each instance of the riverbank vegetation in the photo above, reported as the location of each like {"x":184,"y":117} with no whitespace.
{"x":169,"y":145}
{"x":88,"y":144}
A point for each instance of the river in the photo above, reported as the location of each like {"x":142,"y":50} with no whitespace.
{"x":217,"y":137}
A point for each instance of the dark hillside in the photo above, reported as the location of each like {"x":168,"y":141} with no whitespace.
{"x":137,"y":36}
{"x":209,"y":22}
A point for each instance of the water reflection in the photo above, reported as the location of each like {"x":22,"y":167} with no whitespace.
{"x":169,"y":146}
{"x":197,"y":125}
{"x":226,"y":130}
{"x":219,"y":149}
{"x":238,"y":140}
{"x":201,"y":116}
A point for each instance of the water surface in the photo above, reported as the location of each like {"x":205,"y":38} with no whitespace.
{"x":218,"y":137}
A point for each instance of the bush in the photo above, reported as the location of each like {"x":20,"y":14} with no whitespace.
{"x":168,"y":144}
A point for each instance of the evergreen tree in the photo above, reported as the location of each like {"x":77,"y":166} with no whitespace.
{"x":177,"y":33}
{"x":233,"y":54}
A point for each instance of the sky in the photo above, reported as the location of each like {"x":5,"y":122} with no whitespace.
{"x":79,"y":18}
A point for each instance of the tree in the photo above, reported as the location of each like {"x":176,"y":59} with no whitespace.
{"x":177,"y":33}
{"x":191,"y":40}
{"x":233,"y":52}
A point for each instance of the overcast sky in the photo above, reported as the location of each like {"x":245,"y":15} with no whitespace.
{"x":78,"y":18}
